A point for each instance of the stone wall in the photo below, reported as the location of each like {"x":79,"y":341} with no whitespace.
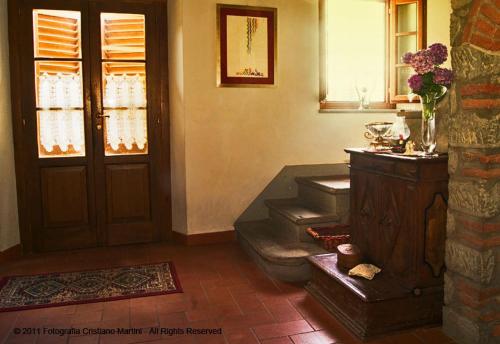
{"x":472,"y":281}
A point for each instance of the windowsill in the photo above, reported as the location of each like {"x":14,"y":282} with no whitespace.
{"x":414,"y":114}
{"x":358,"y":111}
{"x":408,"y":114}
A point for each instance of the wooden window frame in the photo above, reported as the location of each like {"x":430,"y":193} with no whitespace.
{"x":395,"y":61}
{"x":391,"y":63}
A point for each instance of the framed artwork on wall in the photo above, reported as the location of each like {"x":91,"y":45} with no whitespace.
{"x":246,"y":38}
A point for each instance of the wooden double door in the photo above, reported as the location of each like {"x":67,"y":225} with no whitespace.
{"x":90,"y":115}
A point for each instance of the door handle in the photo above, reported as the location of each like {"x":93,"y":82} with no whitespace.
{"x":100,"y":115}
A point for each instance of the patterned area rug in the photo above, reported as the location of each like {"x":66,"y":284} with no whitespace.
{"x":57,"y":289}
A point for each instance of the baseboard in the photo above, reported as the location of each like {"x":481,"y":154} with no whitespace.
{"x":11,"y":253}
{"x":204,"y":238}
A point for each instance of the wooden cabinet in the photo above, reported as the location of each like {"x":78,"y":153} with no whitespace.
{"x":398,"y":220}
{"x":398,"y":214}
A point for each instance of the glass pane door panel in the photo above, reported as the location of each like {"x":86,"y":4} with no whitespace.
{"x":123,"y":36}
{"x":403,"y":73}
{"x":58,"y":84}
{"x":406,"y":44}
{"x":124,"y":85}
{"x":407,"y":17}
{"x":60,"y":133}
{"x":125,"y":132}
{"x":57,"y":34}
{"x":123,"y":39}
{"x":124,"y":100}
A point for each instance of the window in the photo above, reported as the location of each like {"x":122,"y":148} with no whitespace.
{"x":407,"y":33}
{"x":361,"y":44}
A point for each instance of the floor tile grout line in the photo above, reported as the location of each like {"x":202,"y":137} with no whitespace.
{"x":254,"y":334}
{"x":269,"y":312}
{"x":4,"y":341}
{"x":252,"y":280}
{"x":235,"y":302}
{"x":421,"y":340}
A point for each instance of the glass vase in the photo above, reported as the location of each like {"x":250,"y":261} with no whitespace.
{"x":428,"y":102}
{"x":400,"y":129}
{"x":429,"y":126}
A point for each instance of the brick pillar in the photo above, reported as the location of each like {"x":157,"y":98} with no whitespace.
{"x":472,"y":282}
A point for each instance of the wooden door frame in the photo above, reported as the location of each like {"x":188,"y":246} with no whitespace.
{"x":23,"y":160}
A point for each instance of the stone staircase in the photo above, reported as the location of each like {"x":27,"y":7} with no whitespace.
{"x":280,"y":244}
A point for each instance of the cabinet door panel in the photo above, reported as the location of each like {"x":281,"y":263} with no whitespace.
{"x":363,"y":210}
{"x":379,"y":227}
{"x":391,"y":231}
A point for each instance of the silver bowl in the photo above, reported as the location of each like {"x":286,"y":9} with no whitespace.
{"x":376,"y":132}
{"x":378,"y":129}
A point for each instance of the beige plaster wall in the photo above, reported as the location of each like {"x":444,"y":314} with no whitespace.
{"x":438,"y":24}
{"x":9,"y":226}
{"x":238,"y":139}
{"x":177,"y":117}
{"x":227,"y":144}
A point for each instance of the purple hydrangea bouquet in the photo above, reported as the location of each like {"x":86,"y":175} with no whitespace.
{"x":430,"y":83}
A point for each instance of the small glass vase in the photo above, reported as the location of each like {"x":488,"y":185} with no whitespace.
{"x":400,"y":134}
{"x":428,"y":102}
{"x":363,"y":97}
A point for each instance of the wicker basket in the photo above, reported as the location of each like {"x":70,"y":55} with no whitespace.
{"x":330,"y":237}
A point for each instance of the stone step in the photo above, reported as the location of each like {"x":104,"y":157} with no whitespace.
{"x":337,"y":184}
{"x":275,"y":252}
{"x":330,"y":193}
{"x":291,"y":218}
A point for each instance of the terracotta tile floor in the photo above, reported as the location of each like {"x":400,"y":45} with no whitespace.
{"x":222,"y":289}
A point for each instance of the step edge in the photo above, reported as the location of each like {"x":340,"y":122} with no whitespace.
{"x":306,"y":181}
{"x":261,"y":221}
{"x":293,"y":273}
{"x":274,"y":259}
{"x":328,"y":217}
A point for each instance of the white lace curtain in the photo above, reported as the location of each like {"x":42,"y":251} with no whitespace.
{"x":127,"y":125}
{"x":61,"y":118}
